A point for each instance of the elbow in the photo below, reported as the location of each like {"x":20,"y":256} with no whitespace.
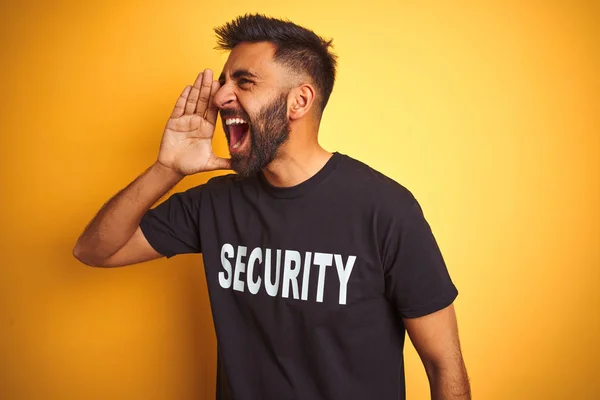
{"x":85,"y":257}
{"x":436,"y":367}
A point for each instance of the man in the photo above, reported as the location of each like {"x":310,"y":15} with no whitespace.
{"x":316,"y":264}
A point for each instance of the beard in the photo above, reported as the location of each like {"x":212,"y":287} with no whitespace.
{"x":269,"y":129}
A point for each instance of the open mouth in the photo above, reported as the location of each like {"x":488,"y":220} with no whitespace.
{"x":238,"y":132}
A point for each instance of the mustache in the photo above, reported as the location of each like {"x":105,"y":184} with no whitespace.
{"x":234,"y":113}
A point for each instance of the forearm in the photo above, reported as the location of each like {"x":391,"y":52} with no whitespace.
{"x":449,"y":382}
{"x":118,"y":219}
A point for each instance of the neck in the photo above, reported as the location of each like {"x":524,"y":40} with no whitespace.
{"x":300,"y":158}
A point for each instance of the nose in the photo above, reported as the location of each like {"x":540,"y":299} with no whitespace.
{"x":224,"y":96}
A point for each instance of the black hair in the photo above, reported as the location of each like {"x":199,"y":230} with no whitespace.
{"x":298,"y":48}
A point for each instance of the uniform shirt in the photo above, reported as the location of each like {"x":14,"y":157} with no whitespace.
{"x":308,"y":285}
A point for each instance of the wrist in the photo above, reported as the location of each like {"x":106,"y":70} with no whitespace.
{"x":167,"y":173}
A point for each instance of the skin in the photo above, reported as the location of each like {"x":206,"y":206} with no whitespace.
{"x":435,"y":337}
{"x":301,"y":156}
{"x":113,"y":237}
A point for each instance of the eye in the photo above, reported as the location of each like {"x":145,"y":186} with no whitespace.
{"x":244,"y":81}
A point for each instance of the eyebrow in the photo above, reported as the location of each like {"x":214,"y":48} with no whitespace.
{"x":237,"y":74}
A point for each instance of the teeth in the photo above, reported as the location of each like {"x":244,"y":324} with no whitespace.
{"x":232,"y":121}
{"x":235,"y":146}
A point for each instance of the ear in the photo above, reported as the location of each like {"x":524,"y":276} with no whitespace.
{"x":300,"y":100}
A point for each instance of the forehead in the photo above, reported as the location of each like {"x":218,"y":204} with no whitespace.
{"x":254,"y":57}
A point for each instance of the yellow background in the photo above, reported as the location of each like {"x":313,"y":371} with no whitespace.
{"x":489,"y":111}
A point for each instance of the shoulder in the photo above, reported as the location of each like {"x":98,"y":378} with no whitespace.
{"x":375,"y":187}
{"x":230,"y":184}
{"x":217,"y":183}
{"x":222,"y":181}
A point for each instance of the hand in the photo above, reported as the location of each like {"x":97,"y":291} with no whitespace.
{"x":186,"y":145}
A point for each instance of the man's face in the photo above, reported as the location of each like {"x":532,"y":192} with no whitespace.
{"x":253,"y":106}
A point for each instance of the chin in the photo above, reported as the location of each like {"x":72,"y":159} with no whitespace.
{"x":240,"y":166}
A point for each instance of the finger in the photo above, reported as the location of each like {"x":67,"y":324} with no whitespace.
{"x":205,"y":87}
{"x":219,"y":163}
{"x":180,"y":105}
{"x":213,"y":110}
{"x":190,"y":105}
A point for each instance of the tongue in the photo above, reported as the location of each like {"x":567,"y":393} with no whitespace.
{"x":237,"y":133}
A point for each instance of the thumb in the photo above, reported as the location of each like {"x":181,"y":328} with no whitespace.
{"x":219,"y":163}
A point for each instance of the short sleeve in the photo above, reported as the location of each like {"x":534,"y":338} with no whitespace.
{"x":416,"y":278}
{"x":172,"y":227}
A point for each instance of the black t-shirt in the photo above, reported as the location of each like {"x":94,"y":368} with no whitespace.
{"x":308,"y":285}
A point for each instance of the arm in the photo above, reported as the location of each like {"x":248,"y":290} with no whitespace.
{"x":435,"y":337}
{"x":113,"y":237}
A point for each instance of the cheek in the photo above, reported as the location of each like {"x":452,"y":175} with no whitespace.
{"x":253,"y":101}
{"x":250,"y":109}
